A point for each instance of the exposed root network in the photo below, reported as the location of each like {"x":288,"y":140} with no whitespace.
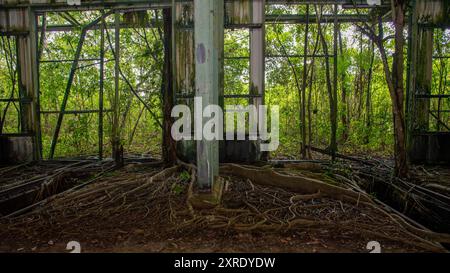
{"x":254,"y":199}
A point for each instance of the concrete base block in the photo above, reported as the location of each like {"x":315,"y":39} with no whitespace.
{"x":207,"y":200}
{"x":430,"y":148}
{"x":16,"y":149}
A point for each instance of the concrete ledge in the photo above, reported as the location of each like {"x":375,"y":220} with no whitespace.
{"x":230,"y":151}
{"x":430,"y":148}
{"x":16,"y":149}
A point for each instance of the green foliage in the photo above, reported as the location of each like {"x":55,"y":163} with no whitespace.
{"x":141,"y":61}
{"x":185,"y":176}
{"x":141,"y":58}
{"x":177,"y":188}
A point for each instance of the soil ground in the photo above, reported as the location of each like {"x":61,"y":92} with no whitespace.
{"x":144,"y":227}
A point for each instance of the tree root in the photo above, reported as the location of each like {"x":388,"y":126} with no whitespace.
{"x":417,"y":232}
{"x":305,"y":185}
{"x":312,"y":189}
{"x":261,"y":200}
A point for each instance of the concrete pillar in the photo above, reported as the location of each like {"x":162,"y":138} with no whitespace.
{"x":208,"y":37}
{"x":183,"y":49}
{"x":424,"y":68}
{"x":29,"y":81}
{"x":183,"y":67}
{"x":420,"y":67}
{"x":257,"y":52}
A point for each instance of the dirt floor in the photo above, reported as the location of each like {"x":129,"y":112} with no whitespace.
{"x":145,"y":208}
{"x":136,"y":241}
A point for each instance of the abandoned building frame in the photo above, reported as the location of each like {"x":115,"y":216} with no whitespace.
{"x":194,"y":34}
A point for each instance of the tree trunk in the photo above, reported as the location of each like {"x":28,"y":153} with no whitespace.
{"x":169,"y":145}
{"x":303,"y":93}
{"x":369,"y":97}
{"x":332,"y":98}
{"x":309,"y":109}
{"x":396,"y":87}
{"x":395,"y":82}
{"x":310,"y":87}
{"x":401,"y":166}
{"x":345,"y":118}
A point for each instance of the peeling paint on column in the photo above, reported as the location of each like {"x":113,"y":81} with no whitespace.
{"x":201,"y":54}
{"x":184,"y":65}
{"x":184,"y":49}
{"x":432,"y":11}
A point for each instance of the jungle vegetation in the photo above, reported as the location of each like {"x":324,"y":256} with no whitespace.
{"x":363,"y":115}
